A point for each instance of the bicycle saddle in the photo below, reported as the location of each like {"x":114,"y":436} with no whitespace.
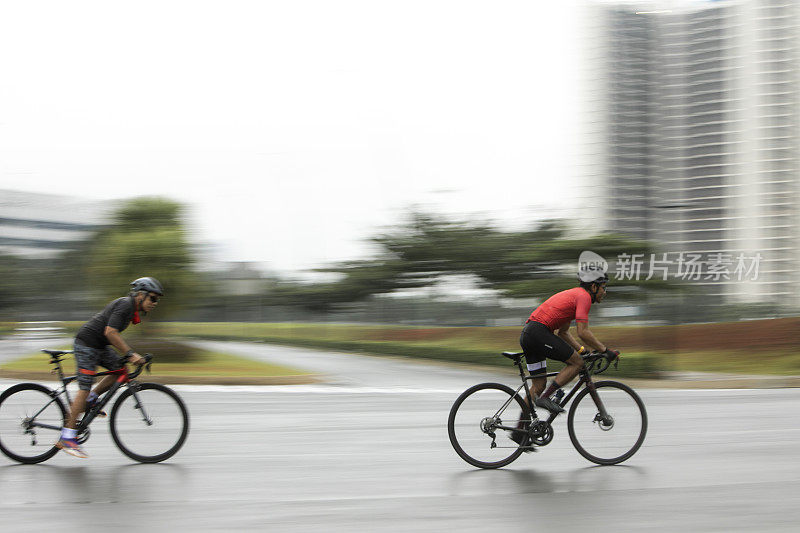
{"x":57,"y":352}
{"x":514,"y":356}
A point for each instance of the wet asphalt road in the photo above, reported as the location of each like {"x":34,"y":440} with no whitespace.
{"x":369,"y":452}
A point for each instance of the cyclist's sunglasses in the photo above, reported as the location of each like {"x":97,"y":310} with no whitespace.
{"x":153,"y":298}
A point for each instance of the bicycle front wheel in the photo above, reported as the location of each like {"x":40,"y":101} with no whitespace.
{"x":31,"y":417}
{"x":476,"y":421}
{"x":615,"y":438}
{"x":149,"y":422}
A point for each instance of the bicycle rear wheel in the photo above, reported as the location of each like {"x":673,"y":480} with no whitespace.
{"x":149,"y":423}
{"x":614,"y":439}
{"x":476,"y":415}
{"x":31,"y":417}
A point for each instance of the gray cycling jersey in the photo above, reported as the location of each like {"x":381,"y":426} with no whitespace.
{"x":118,"y":314}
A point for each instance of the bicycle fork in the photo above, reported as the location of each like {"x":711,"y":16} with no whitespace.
{"x":604,"y":420}
{"x":139,"y":405}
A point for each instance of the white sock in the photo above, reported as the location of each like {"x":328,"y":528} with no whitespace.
{"x":67,"y":433}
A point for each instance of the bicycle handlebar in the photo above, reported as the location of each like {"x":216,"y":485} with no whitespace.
{"x":148,"y":358}
{"x":593,"y":357}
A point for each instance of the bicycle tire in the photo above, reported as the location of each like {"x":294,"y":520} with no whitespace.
{"x":451,"y":423}
{"x":169,"y":402}
{"x":638,"y":435}
{"x":12,"y":421}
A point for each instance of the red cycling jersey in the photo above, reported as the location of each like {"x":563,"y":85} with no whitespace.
{"x":563,"y":307}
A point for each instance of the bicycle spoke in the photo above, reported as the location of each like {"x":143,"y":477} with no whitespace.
{"x":610,"y":439}
{"x":477,"y":422}
{"x":30,"y":423}
{"x":150,"y":424}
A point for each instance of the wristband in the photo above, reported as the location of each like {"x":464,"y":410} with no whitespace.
{"x":128,"y":354}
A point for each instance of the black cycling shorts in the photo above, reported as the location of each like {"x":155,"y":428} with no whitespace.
{"x":539,"y":343}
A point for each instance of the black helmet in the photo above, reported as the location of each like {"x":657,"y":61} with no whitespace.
{"x":147,"y":284}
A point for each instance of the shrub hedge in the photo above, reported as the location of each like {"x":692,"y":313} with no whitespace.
{"x":631,"y":365}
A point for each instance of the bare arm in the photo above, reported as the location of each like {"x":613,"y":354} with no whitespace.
{"x":564,"y":333}
{"x":116,"y":340}
{"x":589,"y":338}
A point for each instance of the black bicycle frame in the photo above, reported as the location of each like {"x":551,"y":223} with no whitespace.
{"x":585,"y":378}
{"x":123,"y":379}
{"x":92,"y":413}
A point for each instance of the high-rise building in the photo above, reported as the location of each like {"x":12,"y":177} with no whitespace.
{"x":40,"y":226}
{"x":700,"y":111}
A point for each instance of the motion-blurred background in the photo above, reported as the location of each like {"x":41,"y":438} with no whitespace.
{"x":411,"y":164}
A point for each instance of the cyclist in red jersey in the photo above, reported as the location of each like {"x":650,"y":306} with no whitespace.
{"x":540,"y":341}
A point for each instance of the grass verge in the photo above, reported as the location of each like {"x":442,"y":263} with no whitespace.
{"x":205,"y":367}
{"x":740,"y":347}
{"x":478,"y":346}
{"x":748,"y":347}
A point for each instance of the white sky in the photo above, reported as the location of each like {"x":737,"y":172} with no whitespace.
{"x":295,"y":128}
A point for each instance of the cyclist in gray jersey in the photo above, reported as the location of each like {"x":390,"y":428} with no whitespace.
{"x":94,"y":345}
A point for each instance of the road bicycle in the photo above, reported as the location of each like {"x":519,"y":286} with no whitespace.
{"x":607,"y":421}
{"x":149,"y":422}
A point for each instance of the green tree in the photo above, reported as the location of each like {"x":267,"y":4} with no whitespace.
{"x":533,"y":263}
{"x":429,"y":246}
{"x":146,"y":238}
{"x":358,"y":280}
